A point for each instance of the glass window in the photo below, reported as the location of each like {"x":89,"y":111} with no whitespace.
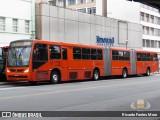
{"x":15,"y":25}
{"x":148,"y":57}
{"x":93,"y":54}
{"x":40,"y":52}
{"x":144,"y":41}
{"x":126,"y":56}
{"x":147,"y":43}
{"x":147,"y":17}
{"x":138,"y":56}
{"x":114,"y":55}
{"x":143,"y":57}
{"x":71,"y":2}
{"x":2,"y":24}
{"x":64,"y":53}
{"x":19,"y":56}
{"x":121,"y":56}
{"x":100,"y":54}
{"x":91,"y":10}
{"x":55,"y":52}
{"x":82,"y":10}
{"x":76,"y":53}
{"x":85,"y":54}
{"x":152,"y":43}
{"x":142,"y":16}
{"x":155,"y":58}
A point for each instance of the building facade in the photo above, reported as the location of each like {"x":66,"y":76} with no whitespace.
{"x":66,"y":25}
{"x":147,"y":16}
{"x":17,"y":20}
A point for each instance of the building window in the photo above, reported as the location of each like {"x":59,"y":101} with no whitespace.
{"x":152,"y":18}
{"x":91,"y":0}
{"x":71,"y":2}
{"x":144,"y":43}
{"x":91,"y":10}
{"x":15,"y":25}
{"x":152,"y":43}
{"x":147,"y":17}
{"x":158,"y":44}
{"x":155,"y":44}
{"x":158,"y":21}
{"x":152,"y":31}
{"x":147,"y":43}
{"x":142,"y":16}
{"x":26,"y":26}
{"x":2,"y":24}
{"x":82,"y":10}
{"x":147,"y":30}
{"x":82,"y":1}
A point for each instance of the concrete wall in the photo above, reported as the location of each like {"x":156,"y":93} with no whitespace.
{"x":59,"y":24}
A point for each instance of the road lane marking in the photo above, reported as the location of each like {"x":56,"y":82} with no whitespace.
{"x":11,"y":88}
{"x":71,"y":90}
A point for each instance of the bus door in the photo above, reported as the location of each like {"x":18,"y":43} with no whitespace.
{"x":40,"y":62}
{"x":64,"y":63}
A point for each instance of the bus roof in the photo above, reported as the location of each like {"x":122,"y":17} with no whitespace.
{"x":146,"y":51}
{"x":65,"y":43}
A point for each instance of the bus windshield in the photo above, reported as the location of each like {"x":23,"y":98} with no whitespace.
{"x":18,"y":56}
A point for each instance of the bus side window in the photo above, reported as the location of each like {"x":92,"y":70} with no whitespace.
{"x":40,"y":52}
{"x":100,"y":55}
{"x":55,"y":52}
{"x":121,"y":55}
{"x":143,"y":57}
{"x":85,"y":54}
{"x":93,"y":54}
{"x":126,"y":56}
{"x":138,"y":56}
{"x":148,"y":58}
{"x":76,"y":53}
{"x":114,"y":55}
{"x":155,"y":58}
{"x":64,"y":53}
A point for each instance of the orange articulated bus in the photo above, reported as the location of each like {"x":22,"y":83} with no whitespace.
{"x":40,"y":60}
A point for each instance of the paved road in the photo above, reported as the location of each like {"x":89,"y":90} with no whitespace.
{"x":104,"y":95}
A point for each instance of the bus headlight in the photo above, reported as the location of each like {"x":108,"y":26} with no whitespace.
{"x":27,"y":70}
{"x":8,"y":70}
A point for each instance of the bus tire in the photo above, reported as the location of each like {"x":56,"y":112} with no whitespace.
{"x":96,"y":74}
{"x":124,"y":73}
{"x":55,"y":77}
{"x":148,"y":72}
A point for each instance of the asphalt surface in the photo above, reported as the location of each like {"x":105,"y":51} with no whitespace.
{"x":114,"y":94}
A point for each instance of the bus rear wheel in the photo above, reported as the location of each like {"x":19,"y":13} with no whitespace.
{"x":96,"y":75}
{"x":55,"y":77}
{"x":124,"y":73}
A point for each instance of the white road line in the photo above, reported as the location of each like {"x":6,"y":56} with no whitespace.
{"x":11,"y":88}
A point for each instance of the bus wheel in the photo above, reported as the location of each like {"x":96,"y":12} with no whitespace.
{"x":148,"y":72}
{"x":55,"y":77}
{"x":124,"y":73}
{"x":96,"y":75}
